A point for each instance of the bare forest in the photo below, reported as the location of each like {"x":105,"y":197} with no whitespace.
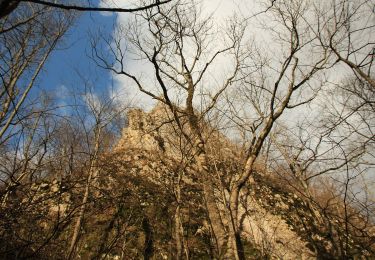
{"x":205,"y":130}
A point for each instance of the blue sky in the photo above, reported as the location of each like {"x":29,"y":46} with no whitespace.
{"x":60,"y":73}
{"x":72,"y":56}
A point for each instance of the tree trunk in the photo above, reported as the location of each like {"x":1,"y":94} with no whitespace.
{"x":234,"y":236}
{"x":181,"y":245}
{"x":215,"y":220}
{"x":93,"y":172}
{"x":235,"y":244}
{"x":148,"y":247}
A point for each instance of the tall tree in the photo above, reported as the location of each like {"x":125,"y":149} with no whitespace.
{"x":178,"y":47}
{"x":23,"y":54}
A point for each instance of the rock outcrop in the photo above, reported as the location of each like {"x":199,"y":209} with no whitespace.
{"x":275,"y":220}
{"x":153,"y":133}
{"x":147,"y":202}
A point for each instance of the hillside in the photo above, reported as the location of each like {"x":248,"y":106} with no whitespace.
{"x":146,"y":202}
{"x":261,"y":143}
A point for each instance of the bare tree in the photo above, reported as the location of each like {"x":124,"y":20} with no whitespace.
{"x":95,"y":114}
{"x":346,"y":29}
{"x":283,"y":82}
{"x":177,"y":46}
{"x":49,"y":168}
{"x":316,"y":155}
{"x":23,"y":54}
{"x":24,"y":162}
{"x":183,"y":59}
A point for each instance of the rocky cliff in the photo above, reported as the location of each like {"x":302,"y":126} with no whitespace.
{"x":270,"y":231}
{"x":146,"y":202}
{"x":276,"y":221}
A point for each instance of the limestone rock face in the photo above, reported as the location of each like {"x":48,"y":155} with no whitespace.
{"x":55,"y":199}
{"x":267,"y":223}
{"x":156,"y":131}
{"x":144,"y":130}
{"x":154,"y":136}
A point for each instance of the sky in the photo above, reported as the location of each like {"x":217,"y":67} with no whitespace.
{"x":220,"y":9}
{"x":61,"y":74}
{"x":71,"y":61}
{"x":65,"y":65}
{"x":68,"y":65}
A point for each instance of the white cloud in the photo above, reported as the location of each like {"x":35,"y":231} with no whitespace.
{"x":111,"y":4}
{"x":62,"y":94}
{"x":104,"y":4}
{"x":93,"y":102}
{"x":220,"y":11}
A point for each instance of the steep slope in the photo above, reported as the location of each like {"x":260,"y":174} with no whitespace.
{"x":267,"y":230}
{"x":146,"y":202}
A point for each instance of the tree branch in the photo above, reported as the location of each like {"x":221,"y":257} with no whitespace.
{"x":97,"y":9}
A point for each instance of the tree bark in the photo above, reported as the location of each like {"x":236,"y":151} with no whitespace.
{"x":215,"y":219}
{"x":93,"y":172}
{"x":181,"y":245}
